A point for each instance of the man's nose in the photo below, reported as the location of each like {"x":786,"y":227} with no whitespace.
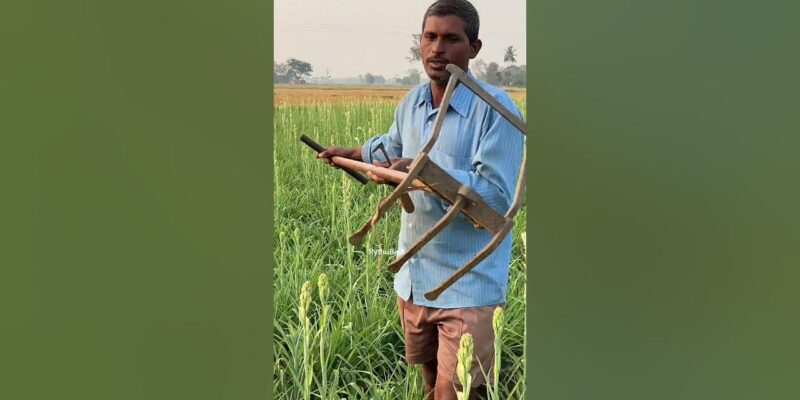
{"x":438,"y":46}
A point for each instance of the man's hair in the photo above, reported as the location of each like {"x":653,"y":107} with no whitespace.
{"x":460,"y":8}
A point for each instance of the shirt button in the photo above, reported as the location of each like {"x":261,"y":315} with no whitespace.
{"x":429,"y":123}
{"x":410,"y":225}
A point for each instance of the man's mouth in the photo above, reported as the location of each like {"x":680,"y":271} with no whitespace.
{"x":437,"y":63}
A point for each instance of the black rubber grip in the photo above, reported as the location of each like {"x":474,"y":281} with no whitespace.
{"x":319,"y":149}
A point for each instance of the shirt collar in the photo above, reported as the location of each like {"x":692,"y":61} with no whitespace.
{"x":460,"y":101}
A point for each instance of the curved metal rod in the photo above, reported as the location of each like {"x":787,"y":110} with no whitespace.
{"x":488,"y":249}
{"x":441,"y":224}
{"x":437,"y":124}
{"x":483,"y":94}
{"x":519,"y":192}
{"x":384,"y":206}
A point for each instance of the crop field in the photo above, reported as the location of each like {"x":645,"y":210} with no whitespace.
{"x":340,"y":94}
{"x":343,"y":339}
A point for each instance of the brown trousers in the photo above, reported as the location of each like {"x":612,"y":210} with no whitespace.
{"x":435,"y":333}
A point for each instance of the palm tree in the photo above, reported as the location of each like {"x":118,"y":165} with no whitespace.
{"x":510,"y":56}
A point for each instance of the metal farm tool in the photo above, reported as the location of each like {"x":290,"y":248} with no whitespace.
{"x":424,"y":174}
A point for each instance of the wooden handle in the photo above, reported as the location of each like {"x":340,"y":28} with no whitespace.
{"x":319,"y":149}
{"x":383,"y":172}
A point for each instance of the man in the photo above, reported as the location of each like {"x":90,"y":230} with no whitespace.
{"x":477,"y":147}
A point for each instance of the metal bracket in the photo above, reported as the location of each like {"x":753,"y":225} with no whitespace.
{"x":382,"y":148}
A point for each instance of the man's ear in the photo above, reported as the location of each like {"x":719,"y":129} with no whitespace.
{"x":476,"y":48}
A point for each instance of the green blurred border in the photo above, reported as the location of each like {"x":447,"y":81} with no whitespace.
{"x":270,"y":112}
{"x":530,"y":141}
{"x":663,"y":232}
{"x":136,"y":206}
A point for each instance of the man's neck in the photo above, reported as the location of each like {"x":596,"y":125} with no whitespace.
{"x":437,"y":93}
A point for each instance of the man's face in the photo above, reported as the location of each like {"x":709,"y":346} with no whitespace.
{"x":443,"y":42}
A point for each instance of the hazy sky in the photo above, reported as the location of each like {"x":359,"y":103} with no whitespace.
{"x":353,"y":37}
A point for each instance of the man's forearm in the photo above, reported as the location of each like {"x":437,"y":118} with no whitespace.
{"x":355,"y":154}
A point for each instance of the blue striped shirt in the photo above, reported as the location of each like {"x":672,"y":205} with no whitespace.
{"x":477,"y":147}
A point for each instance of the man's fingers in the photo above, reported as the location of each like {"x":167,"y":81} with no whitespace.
{"x":329,"y":152}
{"x":375,"y":178}
{"x":401,"y":164}
{"x":327,"y":159}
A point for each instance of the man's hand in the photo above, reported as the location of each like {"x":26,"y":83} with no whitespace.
{"x":398,"y":164}
{"x":351,"y":153}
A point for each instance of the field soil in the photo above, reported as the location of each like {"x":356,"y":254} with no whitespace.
{"x":298,"y":94}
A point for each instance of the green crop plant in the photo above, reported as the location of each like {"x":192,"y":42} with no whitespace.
{"x":322,"y":283}
{"x":305,"y":323}
{"x":464,"y":366}
{"x":498,"y":325}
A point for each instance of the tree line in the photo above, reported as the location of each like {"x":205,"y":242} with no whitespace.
{"x":298,"y":71}
{"x":492,"y":73}
{"x":292,"y":71}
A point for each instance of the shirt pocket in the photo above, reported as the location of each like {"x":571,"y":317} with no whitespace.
{"x":455,"y":138}
{"x":448,"y":161}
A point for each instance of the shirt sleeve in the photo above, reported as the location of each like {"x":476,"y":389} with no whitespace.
{"x":496,"y":164}
{"x":392,"y":140}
